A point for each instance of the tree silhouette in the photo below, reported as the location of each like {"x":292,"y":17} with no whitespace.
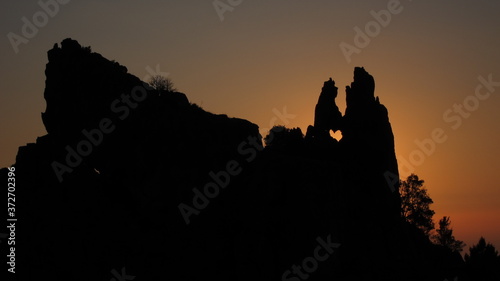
{"x":483,"y":261}
{"x":415,"y":203}
{"x":280,"y":135}
{"x":162,"y":83}
{"x":444,"y":236}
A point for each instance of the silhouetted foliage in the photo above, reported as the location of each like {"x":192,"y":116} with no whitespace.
{"x":162,"y":83}
{"x":444,"y":236}
{"x":482,"y":253}
{"x":415,"y":203}
{"x":280,"y":135}
{"x":483,"y":261}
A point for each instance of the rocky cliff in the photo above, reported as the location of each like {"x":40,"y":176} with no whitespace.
{"x":131,"y":180}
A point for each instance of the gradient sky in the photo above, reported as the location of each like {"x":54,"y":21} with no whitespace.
{"x":267,"y":55}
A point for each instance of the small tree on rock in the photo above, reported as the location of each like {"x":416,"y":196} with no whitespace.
{"x":162,"y":83}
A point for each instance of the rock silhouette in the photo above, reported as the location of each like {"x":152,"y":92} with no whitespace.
{"x":326,"y":114}
{"x":128,"y":178}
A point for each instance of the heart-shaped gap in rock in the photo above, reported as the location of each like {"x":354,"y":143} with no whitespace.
{"x":337,"y":135}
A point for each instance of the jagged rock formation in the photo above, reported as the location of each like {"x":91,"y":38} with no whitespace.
{"x":326,"y":114}
{"x":367,"y":144}
{"x":128,"y":178}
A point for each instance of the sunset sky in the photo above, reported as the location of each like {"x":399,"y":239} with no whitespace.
{"x":431,"y":61}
